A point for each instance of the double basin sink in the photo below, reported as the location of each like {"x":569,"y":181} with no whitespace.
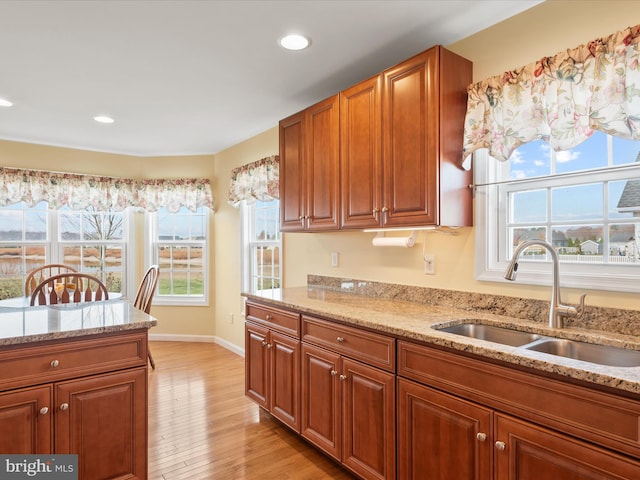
{"x":577,"y":350}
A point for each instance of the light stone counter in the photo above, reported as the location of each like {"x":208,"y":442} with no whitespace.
{"x":38,"y":324}
{"x":414,"y":320}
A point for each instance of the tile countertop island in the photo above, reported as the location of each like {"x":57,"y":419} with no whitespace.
{"x":414,"y":319}
{"x":55,"y":322}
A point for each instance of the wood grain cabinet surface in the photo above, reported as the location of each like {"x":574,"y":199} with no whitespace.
{"x":272,"y":362}
{"x":385,"y":152}
{"x":466,"y":414}
{"x":85,"y":396}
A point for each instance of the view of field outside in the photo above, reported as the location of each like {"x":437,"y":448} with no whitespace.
{"x":96,"y":243}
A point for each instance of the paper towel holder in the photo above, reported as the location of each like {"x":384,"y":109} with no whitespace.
{"x":407,"y":242}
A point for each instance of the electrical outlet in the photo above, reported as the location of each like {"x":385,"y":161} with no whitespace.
{"x":335,"y":256}
{"x":430,"y":264}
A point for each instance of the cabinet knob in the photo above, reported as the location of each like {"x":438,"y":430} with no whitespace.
{"x":268,"y":316}
{"x":55,"y":363}
{"x":264,"y":343}
{"x":343,"y":377}
{"x":340,"y":339}
{"x":481,"y":436}
{"x":64,"y":406}
{"x":269,"y":345}
{"x":44,"y":410}
{"x":501,"y":445}
{"x":385,"y":209}
{"x":334,"y":373}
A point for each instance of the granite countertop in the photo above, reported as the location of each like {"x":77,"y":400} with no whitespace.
{"x":414,"y":321}
{"x":52,"y":322}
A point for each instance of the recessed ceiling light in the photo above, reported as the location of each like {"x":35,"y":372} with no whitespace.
{"x":103,"y":119}
{"x":294,"y":42}
{"x":5,"y":103}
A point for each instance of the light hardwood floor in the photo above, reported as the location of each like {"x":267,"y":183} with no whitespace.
{"x":201,"y":426}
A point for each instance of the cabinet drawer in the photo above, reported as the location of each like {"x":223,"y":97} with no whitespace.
{"x":283,"y":321}
{"x":69,"y":359}
{"x":368,"y":347}
{"x":600,"y":417}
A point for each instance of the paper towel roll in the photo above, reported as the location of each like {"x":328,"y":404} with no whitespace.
{"x":405,"y":242}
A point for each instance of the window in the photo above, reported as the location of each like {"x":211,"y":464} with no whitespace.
{"x":262,"y":264}
{"x":584,"y":201}
{"x":91,"y":241}
{"x":179,"y":244}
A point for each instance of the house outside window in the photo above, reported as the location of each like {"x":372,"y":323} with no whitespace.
{"x":262,"y":247}
{"x":584,"y":201}
{"x":179,"y":244}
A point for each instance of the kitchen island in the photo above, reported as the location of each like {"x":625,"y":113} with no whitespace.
{"x":471,"y":407}
{"x":73,"y":380}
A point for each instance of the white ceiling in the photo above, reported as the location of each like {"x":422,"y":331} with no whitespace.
{"x":195,"y":77}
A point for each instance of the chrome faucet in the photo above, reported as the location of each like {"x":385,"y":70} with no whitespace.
{"x":556,"y":310}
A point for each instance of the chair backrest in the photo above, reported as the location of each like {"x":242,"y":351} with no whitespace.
{"x":87,"y":288}
{"x":40,"y":274}
{"x":147,"y":288}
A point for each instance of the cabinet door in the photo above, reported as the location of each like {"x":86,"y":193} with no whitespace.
{"x":527,"y":452}
{"x":322,"y":163}
{"x":368,"y":420}
{"x":256,"y":364}
{"x":103,"y":419}
{"x":285,"y":379}
{"x":25,"y":421}
{"x":321,"y":399}
{"x":360,"y":155}
{"x":410,"y":141}
{"x":292,"y":173}
{"x":442,"y":437}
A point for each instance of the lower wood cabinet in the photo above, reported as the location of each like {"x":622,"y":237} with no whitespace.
{"x":272,"y":372}
{"x":446,"y":437}
{"x":100,"y":417}
{"x":348,"y":411}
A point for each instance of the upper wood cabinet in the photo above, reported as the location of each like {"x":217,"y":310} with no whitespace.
{"x":423,"y":108}
{"x":309,"y":168}
{"x":400,"y":146}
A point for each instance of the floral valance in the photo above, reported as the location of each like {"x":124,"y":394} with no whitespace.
{"x":104,"y":193}
{"x":255,"y":181}
{"x":560,"y":99}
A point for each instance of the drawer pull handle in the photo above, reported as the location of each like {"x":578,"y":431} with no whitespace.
{"x":64,"y":406}
{"x":501,"y":445}
{"x":340,"y":339}
{"x":334,"y":373}
{"x":55,"y":363}
{"x":481,"y":436}
{"x":343,"y":377}
{"x":44,"y":410}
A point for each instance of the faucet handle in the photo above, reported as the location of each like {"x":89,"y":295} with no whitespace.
{"x":580,"y":309}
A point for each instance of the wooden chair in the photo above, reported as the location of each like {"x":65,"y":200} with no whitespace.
{"x":145,"y":295}
{"x":87,"y":289}
{"x":40,"y":274}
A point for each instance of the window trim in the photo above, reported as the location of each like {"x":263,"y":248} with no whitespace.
{"x":490,"y":236}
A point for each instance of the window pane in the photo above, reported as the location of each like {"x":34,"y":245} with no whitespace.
{"x":625,"y":151}
{"x":624,"y":198}
{"x":582,"y":202}
{"x":591,"y":153}
{"x":530,"y":160}
{"x":529,"y":206}
{"x":581,"y":244}
{"x":623,"y":246}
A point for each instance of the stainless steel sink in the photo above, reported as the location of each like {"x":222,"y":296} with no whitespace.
{"x":504,"y":336}
{"x":587,"y":352}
